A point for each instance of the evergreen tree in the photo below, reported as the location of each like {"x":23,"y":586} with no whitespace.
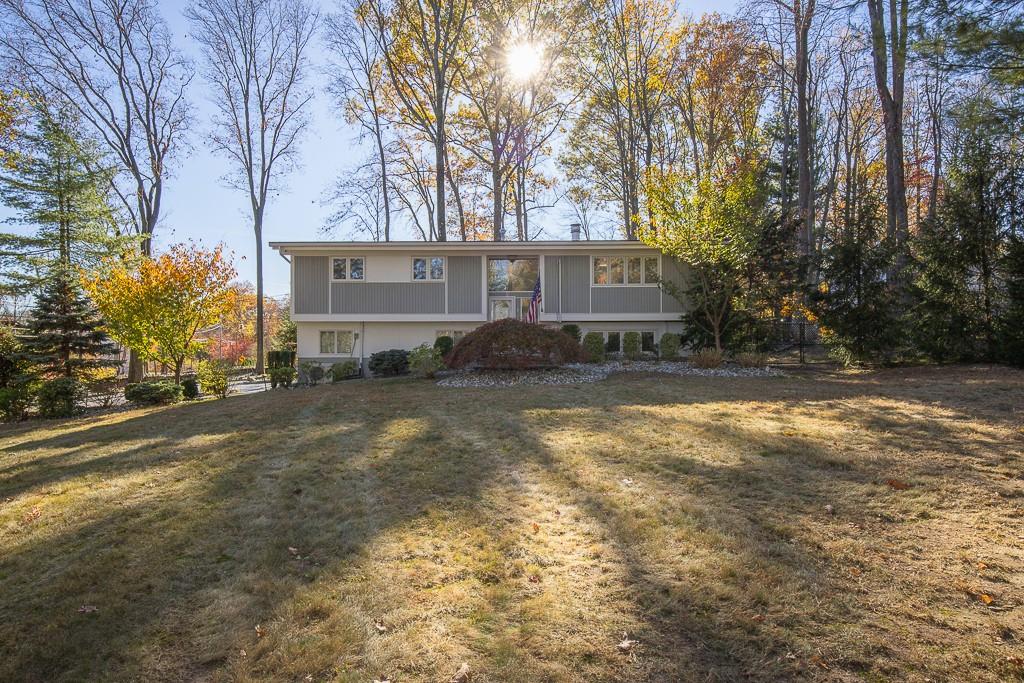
{"x":857,"y":307}
{"x":961,"y":251}
{"x":58,"y":184}
{"x":1011,"y":323}
{"x":64,"y":336}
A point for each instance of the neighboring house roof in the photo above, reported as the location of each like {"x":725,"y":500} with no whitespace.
{"x":454,"y":246}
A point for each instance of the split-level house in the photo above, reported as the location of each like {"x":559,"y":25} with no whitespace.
{"x":351,"y":299}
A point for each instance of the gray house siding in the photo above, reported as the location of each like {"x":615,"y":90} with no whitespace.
{"x":312,"y":279}
{"x":626,"y":300}
{"x":551,"y":285}
{"x":465,"y":284}
{"x":387,"y":297}
{"x":672,"y":271}
{"x":575,"y":284}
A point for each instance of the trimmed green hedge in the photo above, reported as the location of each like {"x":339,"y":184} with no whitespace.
{"x":153,"y":393}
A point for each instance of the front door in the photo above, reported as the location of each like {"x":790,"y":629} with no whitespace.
{"x":502,"y":307}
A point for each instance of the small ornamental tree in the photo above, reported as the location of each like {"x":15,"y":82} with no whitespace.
{"x":64,"y":336}
{"x":158,"y":308}
{"x":711,"y":224}
{"x":510,"y":344}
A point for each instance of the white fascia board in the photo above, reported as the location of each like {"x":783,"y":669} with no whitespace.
{"x":385,"y":318}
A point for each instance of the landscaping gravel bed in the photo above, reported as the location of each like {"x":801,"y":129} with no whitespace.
{"x":593,"y":372}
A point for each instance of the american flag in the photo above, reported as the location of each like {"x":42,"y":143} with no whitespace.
{"x":533,"y":313}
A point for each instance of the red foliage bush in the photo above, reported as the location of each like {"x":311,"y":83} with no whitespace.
{"x":512,"y":345}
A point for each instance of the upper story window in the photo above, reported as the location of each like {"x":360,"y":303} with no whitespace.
{"x":512,"y":274}
{"x":625,"y":270}
{"x":346,"y":268}
{"x":425,"y":268}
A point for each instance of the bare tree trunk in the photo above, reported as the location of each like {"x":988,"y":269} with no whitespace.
{"x":889,"y":56}
{"x":803,"y":17}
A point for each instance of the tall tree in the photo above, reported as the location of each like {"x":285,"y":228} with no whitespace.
{"x":889,"y":20}
{"x":358,"y":83}
{"x":424,"y":45}
{"x":624,"y":62}
{"x":115,"y":62}
{"x":256,"y":58}
{"x":58,"y":185}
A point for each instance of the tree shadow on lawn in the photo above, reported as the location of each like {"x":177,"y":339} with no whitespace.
{"x":152,"y":563}
{"x":184,"y":576}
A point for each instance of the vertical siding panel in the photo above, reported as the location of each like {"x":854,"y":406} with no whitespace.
{"x":551,"y":284}
{"x":626,"y":300}
{"x":387,"y":298}
{"x":312,"y":280}
{"x":575,"y":284}
{"x":673,"y":271}
{"x":465,"y":276}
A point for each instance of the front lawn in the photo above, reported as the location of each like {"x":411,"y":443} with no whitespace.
{"x":823,"y":526}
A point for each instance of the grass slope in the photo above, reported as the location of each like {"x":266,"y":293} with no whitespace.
{"x":397,"y":529}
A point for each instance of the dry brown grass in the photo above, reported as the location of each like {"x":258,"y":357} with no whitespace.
{"x":834,"y":526}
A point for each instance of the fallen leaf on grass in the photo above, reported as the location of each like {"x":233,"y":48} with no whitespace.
{"x":379,"y":625}
{"x":855,"y":571}
{"x":32,"y":515}
{"x":462,"y":675}
{"x":535,"y":527}
{"x":626,"y":645}
{"x":88,"y":609}
{"x":982,"y":566}
{"x":758,"y":618}
{"x":897,"y":484}
{"x":534,"y":578}
{"x":259,"y":631}
{"x":985,"y":598}
{"x":818,"y":661}
{"x":382,"y":680}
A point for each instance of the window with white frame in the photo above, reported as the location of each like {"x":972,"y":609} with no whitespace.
{"x":613,"y":340}
{"x":625,"y":270}
{"x":345,"y":268}
{"x":336,"y":342}
{"x":427,"y":268}
{"x":456,"y":335}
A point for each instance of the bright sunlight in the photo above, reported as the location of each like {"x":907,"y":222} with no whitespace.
{"x":524,"y":60}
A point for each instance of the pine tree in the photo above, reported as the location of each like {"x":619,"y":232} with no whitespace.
{"x":1011,"y":323}
{"x":57,"y":184}
{"x":64,"y":336}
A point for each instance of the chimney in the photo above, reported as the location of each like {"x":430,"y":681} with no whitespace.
{"x":574,"y":230}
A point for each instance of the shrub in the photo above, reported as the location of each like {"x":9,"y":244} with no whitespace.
{"x":213,"y":378}
{"x":573,"y":331}
{"x":593,"y":345}
{"x":282,"y":376}
{"x":280,"y":359}
{"x":311,"y":373}
{"x":190,"y":388}
{"x":15,"y":399}
{"x":631,"y":345}
{"x":102,"y":385}
{"x":153,"y":393}
{"x":751,"y":359}
{"x":444,"y":344}
{"x":707,"y":358}
{"x":510,"y":344}
{"x":390,"y":363}
{"x":425,"y":361}
{"x":343,"y":370}
{"x":61,"y":397}
{"x":668,"y":346}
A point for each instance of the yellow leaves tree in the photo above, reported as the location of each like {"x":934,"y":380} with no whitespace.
{"x":158,"y":306}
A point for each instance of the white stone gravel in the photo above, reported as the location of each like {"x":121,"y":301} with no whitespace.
{"x":578,"y":373}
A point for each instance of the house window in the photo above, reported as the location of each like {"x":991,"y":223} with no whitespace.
{"x":456,"y":335}
{"x":345,"y":268}
{"x":336,"y":342}
{"x":651,"y":270}
{"x":427,"y":268}
{"x":647,"y":342}
{"x":625,"y":270}
{"x":613,"y":342}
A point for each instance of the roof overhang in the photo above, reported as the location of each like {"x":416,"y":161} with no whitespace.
{"x":480,"y":246}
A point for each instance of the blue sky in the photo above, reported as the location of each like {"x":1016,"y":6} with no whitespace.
{"x":198,"y":206}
